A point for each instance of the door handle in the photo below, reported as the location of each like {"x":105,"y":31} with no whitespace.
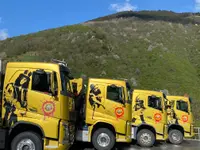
{"x":149,"y":117}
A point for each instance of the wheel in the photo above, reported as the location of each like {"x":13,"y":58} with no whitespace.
{"x":26,"y":141}
{"x":175,"y":136}
{"x":145,"y":138}
{"x":103,"y":139}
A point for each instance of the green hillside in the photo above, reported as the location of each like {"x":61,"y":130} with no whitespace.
{"x":154,"y":50}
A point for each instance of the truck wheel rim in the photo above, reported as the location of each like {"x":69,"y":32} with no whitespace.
{"x":176,"y":137}
{"x":103,"y":139}
{"x":145,"y":138}
{"x":26,"y":144}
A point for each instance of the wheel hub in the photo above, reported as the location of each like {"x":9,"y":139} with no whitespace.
{"x":26,"y":144}
{"x":175,"y":137}
{"x":103,"y":140}
{"x":145,"y":138}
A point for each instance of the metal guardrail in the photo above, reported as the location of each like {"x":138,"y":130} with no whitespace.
{"x":196,"y":136}
{"x":196,"y":133}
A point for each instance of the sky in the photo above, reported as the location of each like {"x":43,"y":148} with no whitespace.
{"x":19,"y":17}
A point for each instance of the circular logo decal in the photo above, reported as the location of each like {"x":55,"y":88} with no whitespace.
{"x":157,"y":117}
{"x":48,"y":108}
{"x":185,"y":118}
{"x":119,"y":112}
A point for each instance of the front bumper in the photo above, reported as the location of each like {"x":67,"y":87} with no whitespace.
{"x":67,"y":133}
{"x":191,"y":133}
{"x":65,"y":140}
{"x":126,"y":138}
{"x":54,"y":145}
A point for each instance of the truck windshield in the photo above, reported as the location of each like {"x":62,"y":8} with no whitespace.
{"x":182,"y":105}
{"x":155,"y":102}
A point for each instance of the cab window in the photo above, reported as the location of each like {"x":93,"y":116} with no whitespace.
{"x":155,"y":102}
{"x":41,"y":81}
{"x":182,"y":106}
{"x":115,"y":93}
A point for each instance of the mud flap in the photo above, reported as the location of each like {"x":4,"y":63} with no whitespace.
{"x":3,"y":135}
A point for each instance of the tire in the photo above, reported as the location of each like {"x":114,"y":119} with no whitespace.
{"x":145,"y":133}
{"x":106,"y":135}
{"x":28,"y":137}
{"x":175,"y":136}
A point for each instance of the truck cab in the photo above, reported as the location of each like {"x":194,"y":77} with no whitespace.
{"x":149,"y":118}
{"x":106,"y":113}
{"x":36,"y":112}
{"x":180,"y":118}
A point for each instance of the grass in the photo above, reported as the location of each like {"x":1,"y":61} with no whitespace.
{"x":155,"y":52}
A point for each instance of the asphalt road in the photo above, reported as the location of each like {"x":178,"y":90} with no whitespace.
{"x":186,"y":145}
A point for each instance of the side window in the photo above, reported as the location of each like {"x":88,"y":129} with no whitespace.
{"x":41,"y":81}
{"x":115,"y":93}
{"x":182,"y":105}
{"x":155,"y":102}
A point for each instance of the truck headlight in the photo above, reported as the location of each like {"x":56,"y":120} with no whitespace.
{"x":66,"y":134}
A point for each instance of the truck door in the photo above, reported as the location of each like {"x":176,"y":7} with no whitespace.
{"x":183,"y":114}
{"x":41,"y":100}
{"x":116,"y":110}
{"x":154,"y":113}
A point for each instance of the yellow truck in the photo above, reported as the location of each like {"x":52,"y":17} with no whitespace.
{"x":149,"y":117}
{"x":180,"y":118}
{"x":105,"y":112}
{"x":36,"y":110}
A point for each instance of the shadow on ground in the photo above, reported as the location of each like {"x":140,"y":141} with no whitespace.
{"x":186,"y":145}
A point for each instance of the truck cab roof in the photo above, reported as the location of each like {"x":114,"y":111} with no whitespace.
{"x":33,"y":65}
{"x":148,"y":92}
{"x":108,"y":81}
{"x":172,"y":97}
